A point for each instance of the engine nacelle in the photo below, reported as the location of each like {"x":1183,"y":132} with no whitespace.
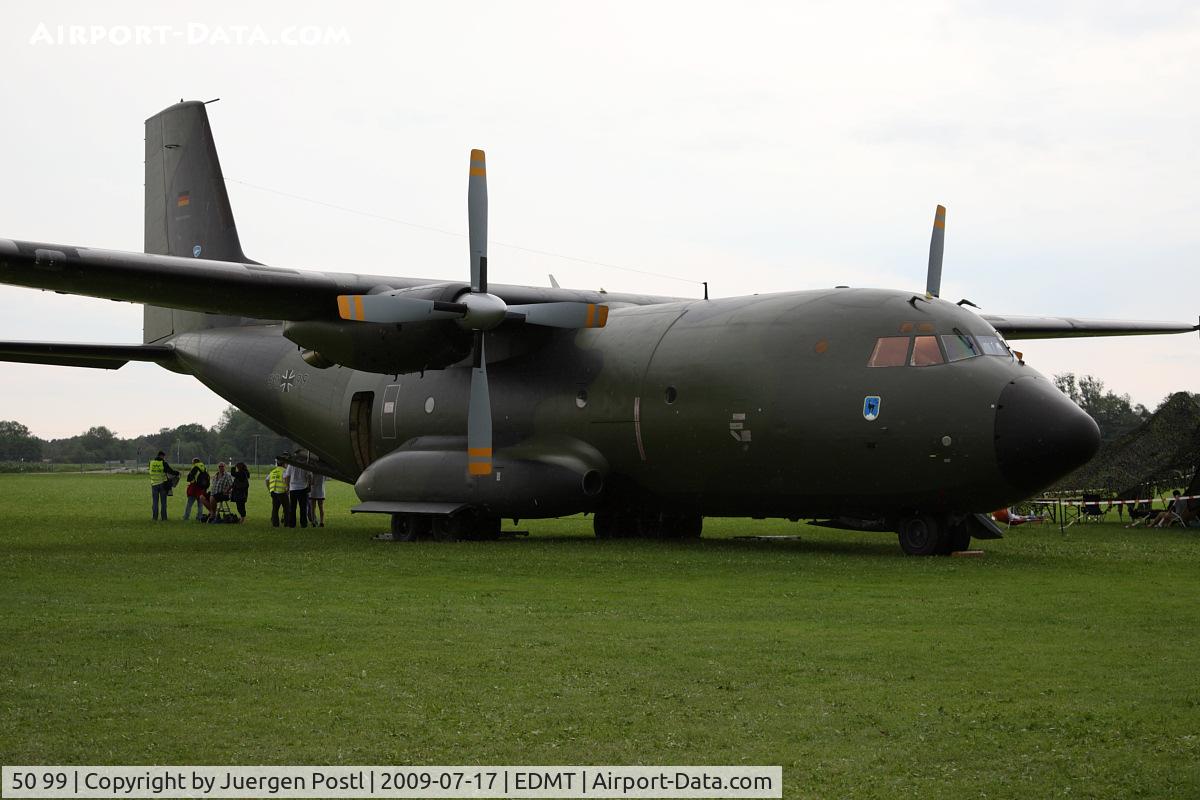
{"x":384,"y":348}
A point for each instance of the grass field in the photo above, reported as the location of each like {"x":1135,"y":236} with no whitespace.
{"x":1057,"y":666}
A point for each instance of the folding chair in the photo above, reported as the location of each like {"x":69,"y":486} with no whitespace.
{"x":1090,"y":510}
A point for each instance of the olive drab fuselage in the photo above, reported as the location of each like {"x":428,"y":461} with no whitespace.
{"x":751,"y":406}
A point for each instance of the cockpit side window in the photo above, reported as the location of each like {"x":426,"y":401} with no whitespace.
{"x":926,"y":352}
{"x":890,"y":351}
{"x":959,"y":346}
{"x":994,"y":346}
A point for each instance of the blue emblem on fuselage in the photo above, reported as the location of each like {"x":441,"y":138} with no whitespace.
{"x":196,"y":251}
{"x":871,"y":407}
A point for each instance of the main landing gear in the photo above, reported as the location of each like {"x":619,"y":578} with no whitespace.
{"x":643,"y":524}
{"x":930,"y":535}
{"x":466,"y":525}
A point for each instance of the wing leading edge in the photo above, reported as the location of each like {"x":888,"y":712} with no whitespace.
{"x":1025,"y":327}
{"x":225,"y":287}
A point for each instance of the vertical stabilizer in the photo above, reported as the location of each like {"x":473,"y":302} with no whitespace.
{"x":187,"y":208}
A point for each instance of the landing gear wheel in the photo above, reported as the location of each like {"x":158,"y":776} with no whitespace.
{"x":920,"y":535}
{"x":407,"y":527}
{"x":604,"y":525}
{"x":466,"y":525}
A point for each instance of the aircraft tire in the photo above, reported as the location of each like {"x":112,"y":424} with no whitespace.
{"x":921,"y":535}
{"x":467,"y":525}
{"x":404,"y":528}
{"x":602,"y":524}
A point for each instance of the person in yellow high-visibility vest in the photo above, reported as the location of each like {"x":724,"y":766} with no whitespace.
{"x":277,"y":486}
{"x":161,"y":475}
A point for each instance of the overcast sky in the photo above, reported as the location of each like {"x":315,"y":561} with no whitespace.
{"x":761,"y":147}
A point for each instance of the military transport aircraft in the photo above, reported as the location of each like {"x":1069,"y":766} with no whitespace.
{"x":453,"y":404}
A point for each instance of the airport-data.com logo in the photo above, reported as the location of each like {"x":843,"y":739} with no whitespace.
{"x":193,"y":33}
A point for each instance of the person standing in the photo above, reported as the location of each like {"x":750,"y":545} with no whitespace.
{"x":279,"y":493}
{"x":161,"y":474}
{"x":316,"y":500}
{"x":241,"y":488}
{"x":298,"y":481}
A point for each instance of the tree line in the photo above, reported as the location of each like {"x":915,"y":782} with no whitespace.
{"x":1113,"y":412}
{"x":232,"y":438}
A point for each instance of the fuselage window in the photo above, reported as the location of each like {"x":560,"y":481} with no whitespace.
{"x":926,"y":352}
{"x":959,"y":346}
{"x":890,"y":351}
{"x":994,"y":346}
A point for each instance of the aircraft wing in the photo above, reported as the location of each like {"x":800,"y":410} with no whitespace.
{"x":225,"y":287}
{"x":96,"y":356}
{"x":1021,"y":327}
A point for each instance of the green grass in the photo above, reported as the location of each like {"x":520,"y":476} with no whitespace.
{"x":1059,"y":665}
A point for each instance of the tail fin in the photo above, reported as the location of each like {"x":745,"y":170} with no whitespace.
{"x":187,"y":208}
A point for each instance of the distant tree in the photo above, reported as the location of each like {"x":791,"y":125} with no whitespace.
{"x":236,"y":432}
{"x":1195,"y":397}
{"x":17,"y":443}
{"x":1112,"y":412}
{"x":233,"y":437}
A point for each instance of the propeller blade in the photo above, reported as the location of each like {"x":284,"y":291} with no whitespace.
{"x":479,"y":416}
{"x":933,"y":280}
{"x":564,"y":315}
{"x":395,"y":308}
{"x":477,"y":218}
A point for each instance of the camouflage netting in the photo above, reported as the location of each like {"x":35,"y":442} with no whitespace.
{"x":1161,"y":453}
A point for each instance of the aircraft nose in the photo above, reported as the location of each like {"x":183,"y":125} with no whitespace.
{"x":1040,"y":434}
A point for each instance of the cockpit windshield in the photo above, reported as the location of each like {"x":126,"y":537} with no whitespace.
{"x":959,"y":346}
{"x":925,"y":351}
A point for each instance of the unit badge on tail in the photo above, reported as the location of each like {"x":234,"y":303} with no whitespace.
{"x":871,"y":407}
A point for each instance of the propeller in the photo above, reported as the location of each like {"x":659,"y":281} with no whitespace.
{"x":933,"y":279}
{"x":476,"y":310}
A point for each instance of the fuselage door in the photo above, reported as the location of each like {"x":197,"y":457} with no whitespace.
{"x":360,"y":428}
{"x":391,"y":401}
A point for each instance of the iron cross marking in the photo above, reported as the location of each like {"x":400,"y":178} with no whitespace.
{"x":287,"y":380}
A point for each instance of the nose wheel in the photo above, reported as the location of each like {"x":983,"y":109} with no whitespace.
{"x":928,"y":535}
{"x":921,"y":535}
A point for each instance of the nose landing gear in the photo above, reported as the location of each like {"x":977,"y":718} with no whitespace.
{"x":930,"y":535}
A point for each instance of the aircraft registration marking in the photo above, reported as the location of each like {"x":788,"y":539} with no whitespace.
{"x":737,"y":427}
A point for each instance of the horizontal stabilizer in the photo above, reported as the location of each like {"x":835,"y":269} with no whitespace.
{"x":1014,"y":327}
{"x":95,"y":356}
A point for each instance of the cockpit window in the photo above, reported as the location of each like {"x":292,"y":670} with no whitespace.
{"x":890,"y":351}
{"x":994,"y":346}
{"x":959,"y":346}
{"x":926,"y":352}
